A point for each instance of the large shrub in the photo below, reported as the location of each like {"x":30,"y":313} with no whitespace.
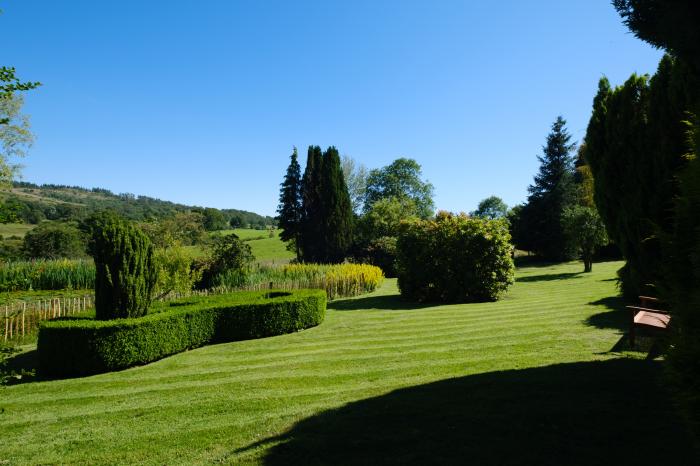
{"x":84,"y":346}
{"x":126,"y":271}
{"x":454,"y":258}
{"x":229,"y":257}
{"x":54,"y":241}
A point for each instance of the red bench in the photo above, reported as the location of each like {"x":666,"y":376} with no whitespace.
{"x":647,"y":315}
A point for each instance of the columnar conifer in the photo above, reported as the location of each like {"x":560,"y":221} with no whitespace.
{"x":125,"y":268}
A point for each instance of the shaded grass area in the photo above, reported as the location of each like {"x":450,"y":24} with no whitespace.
{"x":549,"y":415}
{"x":524,"y":380}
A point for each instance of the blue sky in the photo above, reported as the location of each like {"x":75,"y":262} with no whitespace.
{"x":200,"y":102}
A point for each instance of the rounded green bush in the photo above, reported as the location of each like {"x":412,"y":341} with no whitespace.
{"x":73,"y":347}
{"x":454,"y":258}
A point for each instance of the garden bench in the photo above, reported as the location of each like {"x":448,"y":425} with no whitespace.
{"x":647,"y":315}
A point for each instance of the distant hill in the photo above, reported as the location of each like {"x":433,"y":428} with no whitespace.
{"x":32,"y":203}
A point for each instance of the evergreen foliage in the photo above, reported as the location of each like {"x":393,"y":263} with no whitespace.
{"x":636,"y":142}
{"x":674,"y":27}
{"x":337,"y":215}
{"x":289,"y":210}
{"x":312,"y":211}
{"x":325,"y":235}
{"x":540,"y":229}
{"x":83,"y":346}
{"x":126,"y":271}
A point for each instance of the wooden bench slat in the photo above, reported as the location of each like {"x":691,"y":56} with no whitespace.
{"x":652,"y":319}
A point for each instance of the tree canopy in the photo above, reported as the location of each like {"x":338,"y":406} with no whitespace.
{"x":400,"y":179}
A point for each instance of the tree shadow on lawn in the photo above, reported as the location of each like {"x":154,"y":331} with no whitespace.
{"x":392,"y":302}
{"x":549,"y":277}
{"x":618,"y":317}
{"x":612,"y":412}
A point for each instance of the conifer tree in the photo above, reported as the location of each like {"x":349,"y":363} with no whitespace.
{"x":126,"y":272}
{"x":290,"y":207}
{"x":337,"y":214}
{"x":312,"y":207}
{"x":550,"y":194}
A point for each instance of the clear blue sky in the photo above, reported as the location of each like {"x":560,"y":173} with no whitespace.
{"x":200,"y":102}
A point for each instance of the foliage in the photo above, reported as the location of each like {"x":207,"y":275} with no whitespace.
{"x":635,"y":144}
{"x":15,"y":137}
{"x":338,"y":280}
{"x":60,"y":202}
{"x":356,"y":178}
{"x":9,"y":85}
{"x":584,"y":228}
{"x":214,"y":219}
{"x":377,"y":231}
{"x":673,"y":26}
{"x":82,"y":346}
{"x":400,"y":368}
{"x":491,"y":208}
{"x":126,"y":271}
{"x":52,"y":240}
{"x":454,"y":258}
{"x":47,"y":275}
{"x":326,"y":231}
{"x":229,"y":255}
{"x":177,"y":272}
{"x":540,"y":229}
{"x":290,"y":208}
{"x":401,"y":179}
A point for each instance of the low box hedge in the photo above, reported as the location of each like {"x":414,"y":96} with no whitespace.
{"x":82,"y":346}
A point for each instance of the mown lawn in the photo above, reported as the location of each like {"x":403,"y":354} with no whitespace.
{"x":532,"y":379}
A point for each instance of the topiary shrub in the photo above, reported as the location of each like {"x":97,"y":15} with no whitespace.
{"x":72,"y":347}
{"x":454,"y":258}
{"x":126,"y":272}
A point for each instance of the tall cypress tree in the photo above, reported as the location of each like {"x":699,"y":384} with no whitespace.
{"x":337,"y":214}
{"x":551,"y":192}
{"x":635,"y":144}
{"x":312,"y":207}
{"x":289,"y":209}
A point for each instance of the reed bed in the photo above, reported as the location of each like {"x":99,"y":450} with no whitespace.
{"x":339,"y":281}
{"x":63,"y":274}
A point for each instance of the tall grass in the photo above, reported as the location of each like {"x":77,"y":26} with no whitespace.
{"x":338,"y":280}
{"x":42,"y":274}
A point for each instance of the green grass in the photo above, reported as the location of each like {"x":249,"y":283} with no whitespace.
{"x":15,"y":229}
{"x":265,"y":249}
{"x":535,"y":378}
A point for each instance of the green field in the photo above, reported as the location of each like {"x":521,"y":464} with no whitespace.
{"x":265,"y":249}
{"x":14,"y":229}
{"x":536,"y":378}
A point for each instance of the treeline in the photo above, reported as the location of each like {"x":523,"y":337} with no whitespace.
{"x":338,"y":210}
{"x":32,"y":203}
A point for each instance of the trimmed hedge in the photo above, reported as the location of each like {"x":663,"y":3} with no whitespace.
{"x":73,"y":347}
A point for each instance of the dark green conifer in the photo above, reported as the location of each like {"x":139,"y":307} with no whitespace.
{"x":125,"y":269}
{"x":289,"y":210}
{"x":337,"y":218}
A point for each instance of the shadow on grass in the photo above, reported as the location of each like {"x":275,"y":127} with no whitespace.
{"x":392,"y":302}
{"x":617,"y":317}
{"x":549,"y":277}
{"x":20,"y":368}
{"x":612,"y":412}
